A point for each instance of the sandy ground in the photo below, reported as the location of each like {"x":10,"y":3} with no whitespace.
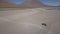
{"x":29,"y":21}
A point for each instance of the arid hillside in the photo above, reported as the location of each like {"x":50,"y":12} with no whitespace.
{"x":26,"y":4}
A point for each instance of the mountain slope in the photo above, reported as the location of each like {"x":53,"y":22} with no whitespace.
{"x":26,"y":4}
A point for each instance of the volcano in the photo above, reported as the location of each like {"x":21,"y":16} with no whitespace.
{"x":32,"y":3}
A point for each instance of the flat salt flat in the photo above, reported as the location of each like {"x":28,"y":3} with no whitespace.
{"x":29,"y":21}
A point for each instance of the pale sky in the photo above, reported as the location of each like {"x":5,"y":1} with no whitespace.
{"x":51,"y":2}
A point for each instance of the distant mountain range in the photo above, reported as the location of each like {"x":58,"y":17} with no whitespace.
{"x":26,"y":4}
